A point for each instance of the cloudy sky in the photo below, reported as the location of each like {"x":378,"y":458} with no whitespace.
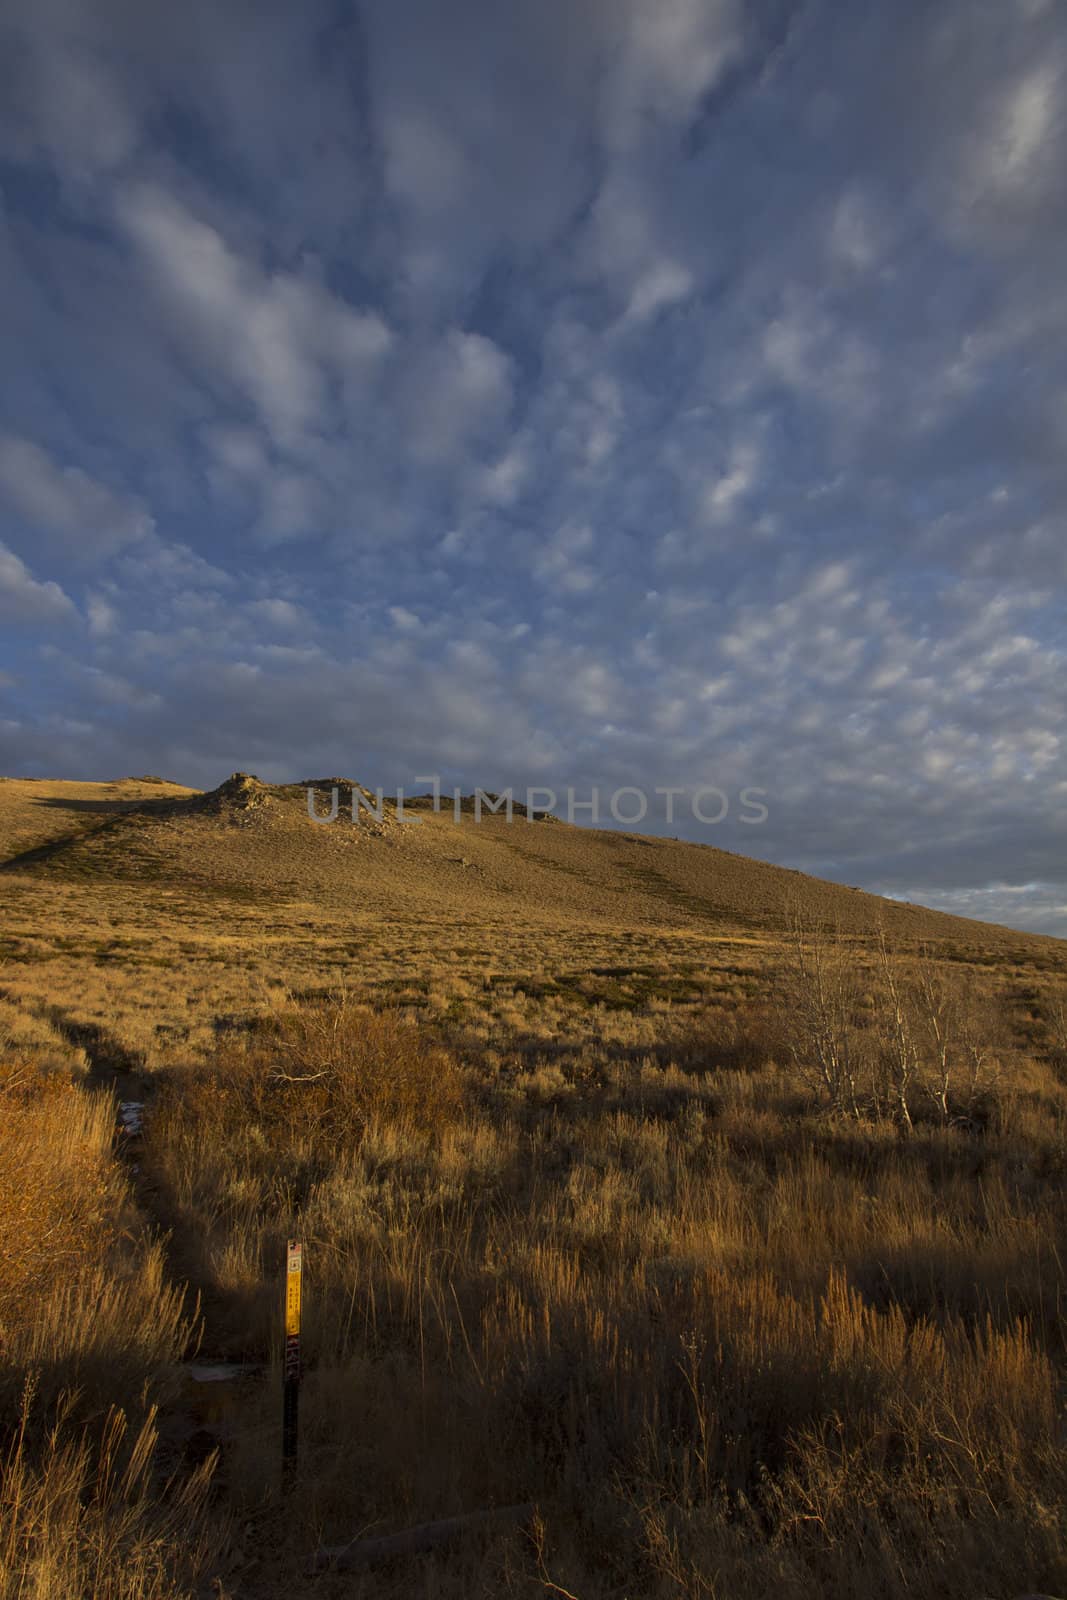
{"x":558,"y":392}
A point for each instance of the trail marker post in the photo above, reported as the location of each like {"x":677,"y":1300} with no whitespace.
{"x":294,"y":1263}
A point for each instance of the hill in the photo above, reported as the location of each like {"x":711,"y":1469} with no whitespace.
{"x":154,"y":909}
{"x":706,"y":1252}
{"x":248,"y":840}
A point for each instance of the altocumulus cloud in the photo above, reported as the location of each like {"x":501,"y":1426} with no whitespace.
{"x":573,"y":392}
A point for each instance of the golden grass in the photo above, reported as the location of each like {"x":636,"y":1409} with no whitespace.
{"x":57,"y":1184}
{"x":720,"y":1340}
{"x":82,"y":1518}
{"x":88,"y":1315}
{"x":328,"y":1069}
{"x":587,"y":1220}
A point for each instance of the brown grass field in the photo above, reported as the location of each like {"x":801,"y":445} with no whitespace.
{"x":711,"y":1211}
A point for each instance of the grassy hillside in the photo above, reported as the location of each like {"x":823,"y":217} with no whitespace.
{"x":712,"y":1211}
{"x":249,"y":839}
{"x":152,"y":909}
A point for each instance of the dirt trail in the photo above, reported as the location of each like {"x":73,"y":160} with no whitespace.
{"x":214,"y":1391}
{"x":110,"y":1065}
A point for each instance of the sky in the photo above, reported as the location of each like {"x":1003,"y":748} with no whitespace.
{"x":562,"y":392}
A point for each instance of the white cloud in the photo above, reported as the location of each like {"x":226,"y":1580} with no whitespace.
{"x":501,"y":482}
{"x":623,"y":247}
{"x":166,"y":565}
{"x":669,"y":56}
{"x":564,"y":565}
{"x":23,"y":599}
{"x":278,"y":338}
{"x":278,"y":614}
{"x":87,"y":519}
{"x":857,"y":231}
{"x":403,"y":620}
{"x":662,"y":285}
{"x":455,"y":390}
{"x":721,"y":495}
{"x":240,"y":456}
{"x":101,"y":616}
{"x":822,"y":358}
{"x":1021,"y":132}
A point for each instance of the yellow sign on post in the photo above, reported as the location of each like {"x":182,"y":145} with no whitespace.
{"x":293,"y":1276}
{"x":294,"y":1267}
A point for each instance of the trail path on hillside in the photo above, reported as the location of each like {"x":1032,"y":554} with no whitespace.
{"x":215,"y":1391}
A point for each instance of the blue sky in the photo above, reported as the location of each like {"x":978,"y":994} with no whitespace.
{"x":564,"y":392}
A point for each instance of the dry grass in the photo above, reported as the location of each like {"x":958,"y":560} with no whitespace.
{"x":83,"y":1517}
{"x":327,"y":1069}
{"x":84,"y":1303}
{"x":608,"y":1198}
{"x":87,"y":1315}
{"x":57,"y":1185}
{"x":721,"y":1340}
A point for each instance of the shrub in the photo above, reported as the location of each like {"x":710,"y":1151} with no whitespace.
{"x":57,"y":1184}
{"x":79,"y":1519}
{"x":744,"y":1038}
{"x":324,"y":1072}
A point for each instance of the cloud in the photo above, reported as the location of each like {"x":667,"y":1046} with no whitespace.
{"x":282,"y":614}
{"x":554,"y":392}
{"x":457,"y":389}
{"x":101,"y":615}
{"x":563,"y":563}
{"x":24,"y":600}
{"x":723,"y":492}
{"x":278,"y":338}
{"x":669,"y":59}
{"x":858,"y":231}
{"x":60,"y":96}
{"x":501,"y":482}
{"x":662,"y":285}
{"x":87,"y":520}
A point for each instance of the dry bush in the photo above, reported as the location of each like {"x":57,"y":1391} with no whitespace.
{"x":82,"y":1519}
{"x":742,"y":1038}
{"x":58,"y":1186}
{"x":1055,"y":1019}
{"x":707,"y":1329}
{"x":87,"y":1315}
{"x":83,"y":1303}
{"x":730,"y":1344}
{"x":239,"y":1147}
{"x":325,"y":1071}
{"x":942,"y":1038}
{"x":107,"y":1327}
{"x":820,"y":992}
{"x":29,"y":1037}
{"x":903,"y":1035}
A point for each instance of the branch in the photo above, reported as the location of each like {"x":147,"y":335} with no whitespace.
{"x":413,"y":1541}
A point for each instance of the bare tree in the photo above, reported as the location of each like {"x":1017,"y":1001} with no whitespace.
{"x":1056,"y":1022}
{"x":900,"y":1049}
{"x":822,"y":993}
{"x":938,"y":1004}
{"x":941,"y":1032}
{"x":982,"y":1035}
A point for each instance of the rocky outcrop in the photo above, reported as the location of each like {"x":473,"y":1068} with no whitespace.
{"x":241,"y":792}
